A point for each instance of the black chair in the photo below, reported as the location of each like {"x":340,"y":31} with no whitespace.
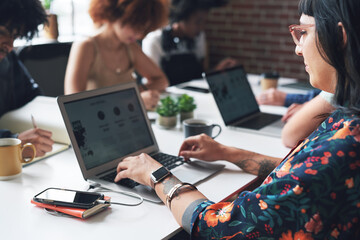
{"x":47,"y":65}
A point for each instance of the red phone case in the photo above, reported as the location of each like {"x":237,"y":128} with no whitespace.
{"x":76,"y":212}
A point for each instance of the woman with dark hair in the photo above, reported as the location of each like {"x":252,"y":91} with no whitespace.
{"x":111,"y":56}
{"x":180,"y":48}
{"x":20,"y":19}
{"x":314,"y":192}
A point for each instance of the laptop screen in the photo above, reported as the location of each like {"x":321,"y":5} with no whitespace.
{"x":108,"y":126}
{"x":233,"y":94}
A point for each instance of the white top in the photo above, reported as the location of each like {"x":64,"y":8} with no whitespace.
{"x":151,"y":46}
{"x":329,"y":97}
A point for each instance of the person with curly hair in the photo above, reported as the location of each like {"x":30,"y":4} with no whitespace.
{"x":180,"y":48}
{"x":314,"y":192}
{"x":20,"y":19}
{"x":113,"y":55}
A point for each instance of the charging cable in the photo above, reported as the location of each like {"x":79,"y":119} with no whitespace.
{"x":131,"y":194}
{"x":140,"y":198}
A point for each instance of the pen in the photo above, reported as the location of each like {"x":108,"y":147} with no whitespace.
{"x":143,"y":86}
{"x":33,"y":121}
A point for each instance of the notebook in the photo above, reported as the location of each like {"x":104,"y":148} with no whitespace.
{"x":237,"y":103}
{"x":46,"y":113}
{"x":108,"y":124}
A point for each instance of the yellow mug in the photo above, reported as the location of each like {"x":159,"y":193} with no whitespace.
{"x":11,"y":157}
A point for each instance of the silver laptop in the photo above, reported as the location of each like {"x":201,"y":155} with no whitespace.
{"x":237,"y":103}
{"x":109,"y":124}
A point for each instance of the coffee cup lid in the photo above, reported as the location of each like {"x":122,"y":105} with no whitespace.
{"x":273,"y":74}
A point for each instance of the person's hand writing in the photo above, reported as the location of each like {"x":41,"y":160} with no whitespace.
{"x":271,"y":96}
{"x":295,"y":107}
{"x":40,"y":138}
{"x":137,"y":168}
{"x":150,"y":98}
{"x":201,"y":147}
{"x":226,"y":63}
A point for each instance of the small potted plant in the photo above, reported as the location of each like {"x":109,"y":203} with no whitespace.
{"x":186,"y":107}
{"x":167,"y":111}
{"x":51,"y":27}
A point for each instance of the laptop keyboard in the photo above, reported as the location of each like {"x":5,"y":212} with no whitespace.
{"x":259,"y":121}
{"x":168,"y":161}
{"x":127,"y":182}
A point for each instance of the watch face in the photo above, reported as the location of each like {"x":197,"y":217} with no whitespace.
{"x":160,"y":173}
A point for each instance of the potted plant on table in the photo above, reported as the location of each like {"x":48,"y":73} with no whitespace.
{"x":186,"y":107}
{"x":167,"y":111}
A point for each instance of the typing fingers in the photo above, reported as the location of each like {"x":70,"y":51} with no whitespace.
{"x":194,"y":152}
{"x":188,"y":144}
{"x":120,"y":175}
{"x":123,"y":164}
{"x":121,"y":170}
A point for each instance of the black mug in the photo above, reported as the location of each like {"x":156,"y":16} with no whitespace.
{"x":194,"y":127}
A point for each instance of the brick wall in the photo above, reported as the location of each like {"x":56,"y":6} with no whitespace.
{"x":256,"y":33}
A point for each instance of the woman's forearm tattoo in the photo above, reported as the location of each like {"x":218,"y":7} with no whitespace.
{"x":169,"y":184}
{"x":262,"y":168}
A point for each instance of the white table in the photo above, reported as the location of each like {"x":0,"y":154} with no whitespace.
{"x":19,"y":219}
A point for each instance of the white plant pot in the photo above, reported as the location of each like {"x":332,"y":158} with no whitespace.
{"x":167,"y":122}
{"x":186,"y":115}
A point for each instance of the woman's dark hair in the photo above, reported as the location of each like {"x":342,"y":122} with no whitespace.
{"x":143,"y":15}
{"x":22,"y":16}
{"x":345,"y":58}
{"x":183,"y":9}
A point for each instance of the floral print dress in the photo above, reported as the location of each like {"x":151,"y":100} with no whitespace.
{"x":313,"y":194}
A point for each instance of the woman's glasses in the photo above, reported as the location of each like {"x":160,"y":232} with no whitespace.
{"x":297,"y":31}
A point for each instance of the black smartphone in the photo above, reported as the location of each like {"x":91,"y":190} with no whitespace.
{"x":196,"y":89}
{"x":69,"y":198}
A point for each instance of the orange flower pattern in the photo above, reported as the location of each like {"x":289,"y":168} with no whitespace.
{"x":218,"y":212}
{"x":301,"y":235}
{"x":313,"y":194}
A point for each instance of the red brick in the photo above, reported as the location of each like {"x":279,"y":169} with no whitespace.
{"x":256,"y":33}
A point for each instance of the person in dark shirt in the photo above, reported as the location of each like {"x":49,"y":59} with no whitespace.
{"x":180,"y":49}
{"x":20,"y":18}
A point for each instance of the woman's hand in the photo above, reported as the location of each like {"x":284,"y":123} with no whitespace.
{"x":271,"y":96}
{"x":150,"y":98}
{"x":40,"y":138}
{"x":202,"y":147}
{"x":294,"y":108}
{"x":137,"y":168}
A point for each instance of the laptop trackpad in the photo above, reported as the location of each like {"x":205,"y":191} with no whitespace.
{"x":196,"y":171}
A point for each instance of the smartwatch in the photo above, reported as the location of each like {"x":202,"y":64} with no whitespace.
{"x":159,"y":175}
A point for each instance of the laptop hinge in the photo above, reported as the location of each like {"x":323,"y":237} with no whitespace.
{"x":106,"y":172}
{"x":245,"y":119}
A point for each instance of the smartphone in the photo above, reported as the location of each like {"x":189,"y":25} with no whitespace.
{"x":196,"y":89}
{"x":69,"y":198}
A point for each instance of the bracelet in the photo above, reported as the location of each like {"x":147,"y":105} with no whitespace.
{"x":173,"y":190}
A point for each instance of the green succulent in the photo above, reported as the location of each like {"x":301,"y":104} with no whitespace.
{"x":186,"y":103}
{"x":47,"y":4}
{"x":167,"y":107}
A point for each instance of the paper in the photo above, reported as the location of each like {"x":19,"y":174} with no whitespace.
{"x":57,"y":148}
{"x":47,"y":115}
